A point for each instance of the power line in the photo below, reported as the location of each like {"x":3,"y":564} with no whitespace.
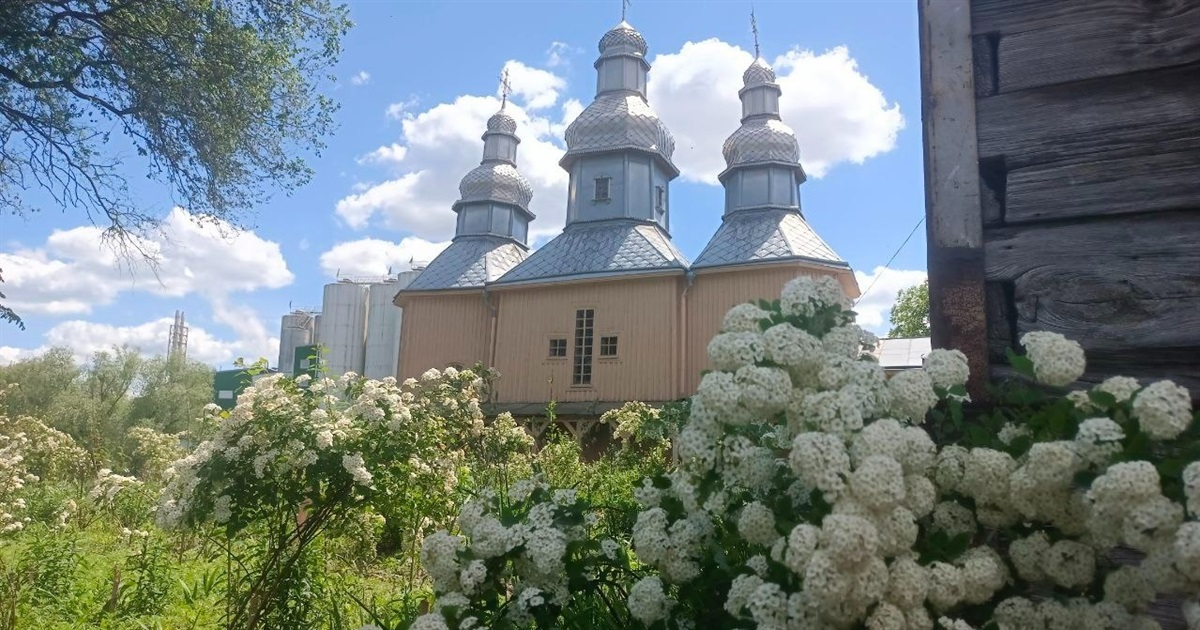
{"x":887,"y":266}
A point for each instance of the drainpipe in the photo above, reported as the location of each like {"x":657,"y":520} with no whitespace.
{"x":690,"y":276}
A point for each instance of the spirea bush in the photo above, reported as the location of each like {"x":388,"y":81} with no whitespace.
{"x":528,"y":555}
{"x":297,"y":457}
{"x":814,"y":492}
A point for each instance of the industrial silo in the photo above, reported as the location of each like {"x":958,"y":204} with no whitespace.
{"x":295,"y":330}
{"x":383,"y":327}
{"x":343,"y":330}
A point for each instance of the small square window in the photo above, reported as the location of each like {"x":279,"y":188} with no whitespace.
{"x":602,"y":189}
{"x":608,"y":346}
{"x":558,"y":348}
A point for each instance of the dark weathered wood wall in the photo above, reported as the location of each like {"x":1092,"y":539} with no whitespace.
{"x":1087,"y":136}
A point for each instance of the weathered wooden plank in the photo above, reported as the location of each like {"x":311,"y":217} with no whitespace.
{"x":948,"y":113}
{"x":1000,"y":309}
{"x":1121,"y":185}
{"x":1050,"y":42}
{"x":1123,"y":116}
{"x":954,"y":223}
{"x":1113,"y":283}
{"x":983,"y":60}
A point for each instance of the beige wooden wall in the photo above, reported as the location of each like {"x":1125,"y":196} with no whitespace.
{"x":714,"y":292}
{"x":440,"y":330}
{"x":642,"y":312}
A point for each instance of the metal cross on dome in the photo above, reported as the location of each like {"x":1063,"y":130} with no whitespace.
{"x":624,"y":8}
{"x":754,"y":29}
{"x":505,"y":88}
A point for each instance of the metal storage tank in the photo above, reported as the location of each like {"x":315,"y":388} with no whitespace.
{"x":316,"y":340}
{"x":383,"y":327}
{"x":295,"y":330}
{"x":343,"y":330}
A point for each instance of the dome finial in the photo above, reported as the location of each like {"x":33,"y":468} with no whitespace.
{"x":754,"y":29}
{"x":624,"y":8}
{"x":505,"y":89}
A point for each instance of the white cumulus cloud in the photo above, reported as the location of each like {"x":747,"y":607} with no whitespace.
{"x":85,"y":338}
{"x":837,"y":113}
{"x":374,"y":257}
{"x":440,"y":145}
{"x":361,"y":78}
{"x":76,"y":270}
{"x":874,"y":308}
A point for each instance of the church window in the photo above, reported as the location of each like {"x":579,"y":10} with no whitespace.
{"x":558,"y":348}
{"x":581,"y":373}
{"x":660,"y":198}
{"x":602,"y":188}
{"x":608,"y":346}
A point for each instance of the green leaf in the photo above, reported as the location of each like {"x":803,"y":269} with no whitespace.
{"x":1102,"y":399}
{"x":1019,"y":362}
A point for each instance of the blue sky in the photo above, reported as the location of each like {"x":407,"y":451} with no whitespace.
{"x":417,"y":80}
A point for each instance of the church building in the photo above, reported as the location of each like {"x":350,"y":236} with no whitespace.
{"x":610,"y":310}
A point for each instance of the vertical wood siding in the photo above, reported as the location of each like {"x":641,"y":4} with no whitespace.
{"x":641,"y":312}
{"x":442,"y":329}
{"x":713,"y":293}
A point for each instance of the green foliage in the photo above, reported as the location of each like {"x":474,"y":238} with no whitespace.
{"x":910,"y":313}
{"x":217,"y":96}
{"x":102,"y":405}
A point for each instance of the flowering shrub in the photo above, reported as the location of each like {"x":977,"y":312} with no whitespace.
{"x":296,"y":458}
{"x":811,"y":493}
{"x":532,"y":543}
{"x":13,"y":477}
{"x":153,"y":452}
{"x":636,"y":423}
{"x":48,"y":453}
{"x":810,"y":496}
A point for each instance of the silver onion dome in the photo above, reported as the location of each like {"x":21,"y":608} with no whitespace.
{"x":761,"y":140}
{"x":501,"y":122}
{"x":619,"y":118}
{"x":758,"y":73}
{"x":762,"y":137}
{"x":619,"y":121}
{"x":496,"y":181}
{"x":623,"y":39}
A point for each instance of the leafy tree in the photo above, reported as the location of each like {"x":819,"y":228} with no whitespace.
{"x":34,"y":384}
{"x":219,"y":96}
{"x":173,"y":392}
{"x":910,"y":313}
{"x":6,"y":313}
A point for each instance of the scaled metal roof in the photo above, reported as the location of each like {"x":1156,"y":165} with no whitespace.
{"x":615,"y":121}
{"x":469,"y":262}
{"x":749,"y":236}
{"x":609,"y":247}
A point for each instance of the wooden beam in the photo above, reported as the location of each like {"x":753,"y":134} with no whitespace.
{"x":1125,"y":116}
{"x":1111,"y":283}
{"x":1051,"y":42}
{"x":954,"y":221}
{"x":1100,"y":185}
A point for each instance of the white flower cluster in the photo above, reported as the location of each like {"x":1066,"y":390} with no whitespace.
{"x":283,"y":433}
{"x":528,"y":559}
{"x":1056,"y":360}
{"x":13,"y":477}
{"x":109,"y":484}
{"x":792,"y":418}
